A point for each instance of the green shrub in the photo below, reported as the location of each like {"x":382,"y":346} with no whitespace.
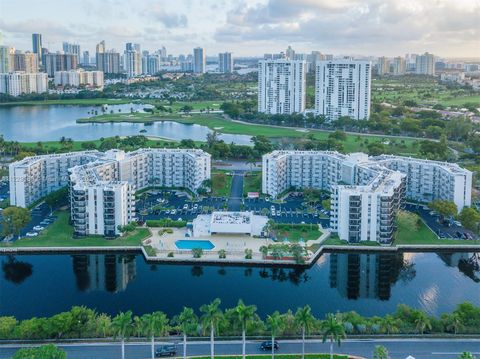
{"x":165,"y":222}
{"x":170,"y":255}
{"x":197,"y":252}
{"x":222,"y":254}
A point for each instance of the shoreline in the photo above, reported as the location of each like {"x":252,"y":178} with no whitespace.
{"x":418,"y":248}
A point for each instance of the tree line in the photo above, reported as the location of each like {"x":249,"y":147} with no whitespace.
{"x":241,"y":320}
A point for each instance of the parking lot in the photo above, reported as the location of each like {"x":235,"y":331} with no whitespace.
{"x":451,"y":231}
{"x":176,"y":205}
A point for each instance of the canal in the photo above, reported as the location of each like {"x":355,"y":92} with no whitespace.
{"x":370,"y":284}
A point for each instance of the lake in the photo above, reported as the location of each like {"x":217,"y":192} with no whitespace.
{"x":50,"y":123}
{"x":371,"y":284}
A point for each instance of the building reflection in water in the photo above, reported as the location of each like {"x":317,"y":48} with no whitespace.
{"x":104,"y":272}
{"x":371,"y":276}
{"x":467,"y":263}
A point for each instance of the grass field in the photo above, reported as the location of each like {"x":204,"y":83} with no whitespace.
{"x":412,"y":230}
{"x":294,"y":234}
{"x":421,"y":89}
{"x":252,"y":182}
{"x":353,"y":142}
{"x":60,"y":234}
{"x":221,"y":184}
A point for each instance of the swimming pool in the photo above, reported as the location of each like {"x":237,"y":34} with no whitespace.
{"x":191,"y":244}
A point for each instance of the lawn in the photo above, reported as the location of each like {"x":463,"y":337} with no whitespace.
{"x":412,"y":230}
{"x":60,"y":234}
{"x":296,"y":232}
{"x":423,"y":90}
{"x":335,"y":241}
{"x":221,"y":184}
{"x":252,"y":182}
{"x":353,"y":143}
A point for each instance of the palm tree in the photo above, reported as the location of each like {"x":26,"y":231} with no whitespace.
{"x":155,"y":323}
{"x":122,"y":327}
{"x":333,"y":329}
{"x":244,"y":314}
{"x":305,"y":320}
{"x":389,"y":324}
{"x":276,"y":324}
{"x":211,"y":317}
{"x":455,"y":323}
{"x":422,"y":322}
{"x":188,"y":321}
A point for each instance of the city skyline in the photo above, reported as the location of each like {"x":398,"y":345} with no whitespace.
{"x":252,"y":27}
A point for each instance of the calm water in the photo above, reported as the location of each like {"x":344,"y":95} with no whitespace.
{"x":371,"y":284}
{"x":47,"y":123}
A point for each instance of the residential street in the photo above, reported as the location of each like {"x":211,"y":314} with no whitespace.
{"x":398,"y":348}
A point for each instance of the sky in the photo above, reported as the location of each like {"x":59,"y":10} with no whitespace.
{"x":448,"y":28}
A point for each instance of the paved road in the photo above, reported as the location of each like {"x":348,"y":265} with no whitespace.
{"x":236,"y":193}
{"x":398,"y":348}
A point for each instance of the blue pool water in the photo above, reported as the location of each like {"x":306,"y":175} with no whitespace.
{"x":190,"y":244}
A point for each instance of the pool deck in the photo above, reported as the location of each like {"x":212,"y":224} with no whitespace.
{"x":233,"y":244}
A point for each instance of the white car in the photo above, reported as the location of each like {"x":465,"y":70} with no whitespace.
{"x":38,"y":228}
{"x":185,"y":206}
{"x":167,"y":211}
{"x":31,"y":234}
{"x":173,"y":211}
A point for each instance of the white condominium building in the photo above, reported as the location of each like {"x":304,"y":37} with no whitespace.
{"x":199,"y":62}
{"x":76,"y":78}
{"x":102,"y":185}
{"x":399,"y":66}
{"x":34,"y":177}
{"x":425,"y":64}
{"x":342,"y":88}
{"x":366,"y":192}
{"x":17,"y":83}
{"x":383,"y":66}
{"x":133,"y":63}
{"x":431,"y":180}
{"x":225,"y":62}
{"x":281,"y":86}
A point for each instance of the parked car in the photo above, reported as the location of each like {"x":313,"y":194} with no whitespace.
{"x":31,"y":234}
{"x":185,"y":206}
{"x":458,"y":234}
{"x":165,"y":351}
{"x":38,"y":228}
{"x":173,"y":211}
{"x":267,"y":345}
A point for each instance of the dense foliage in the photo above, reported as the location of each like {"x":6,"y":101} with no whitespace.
{"x":81,"y":322}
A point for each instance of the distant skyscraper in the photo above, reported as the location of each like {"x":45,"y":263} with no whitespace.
{"x":70,"y":48}
{"x":132,"y":47}
{"x":59,"y":62}
{"x":37,"y":46}
{"x":225,"y":62}
{"x":199,"y":62}
{"x":383,"y":66}
{"x":281,"y":86}
{"x":86,"y":58}
{"x":425,"y":64}
{"x":132,"y":63}
{"x":290,"y":53}
{"x":6,"y":59}
{"x":163,"y":52}
{"x":100,"y":48}
{"x":399,"y":66}
{"x":25,"y":62}
{"x":342,"y":88}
